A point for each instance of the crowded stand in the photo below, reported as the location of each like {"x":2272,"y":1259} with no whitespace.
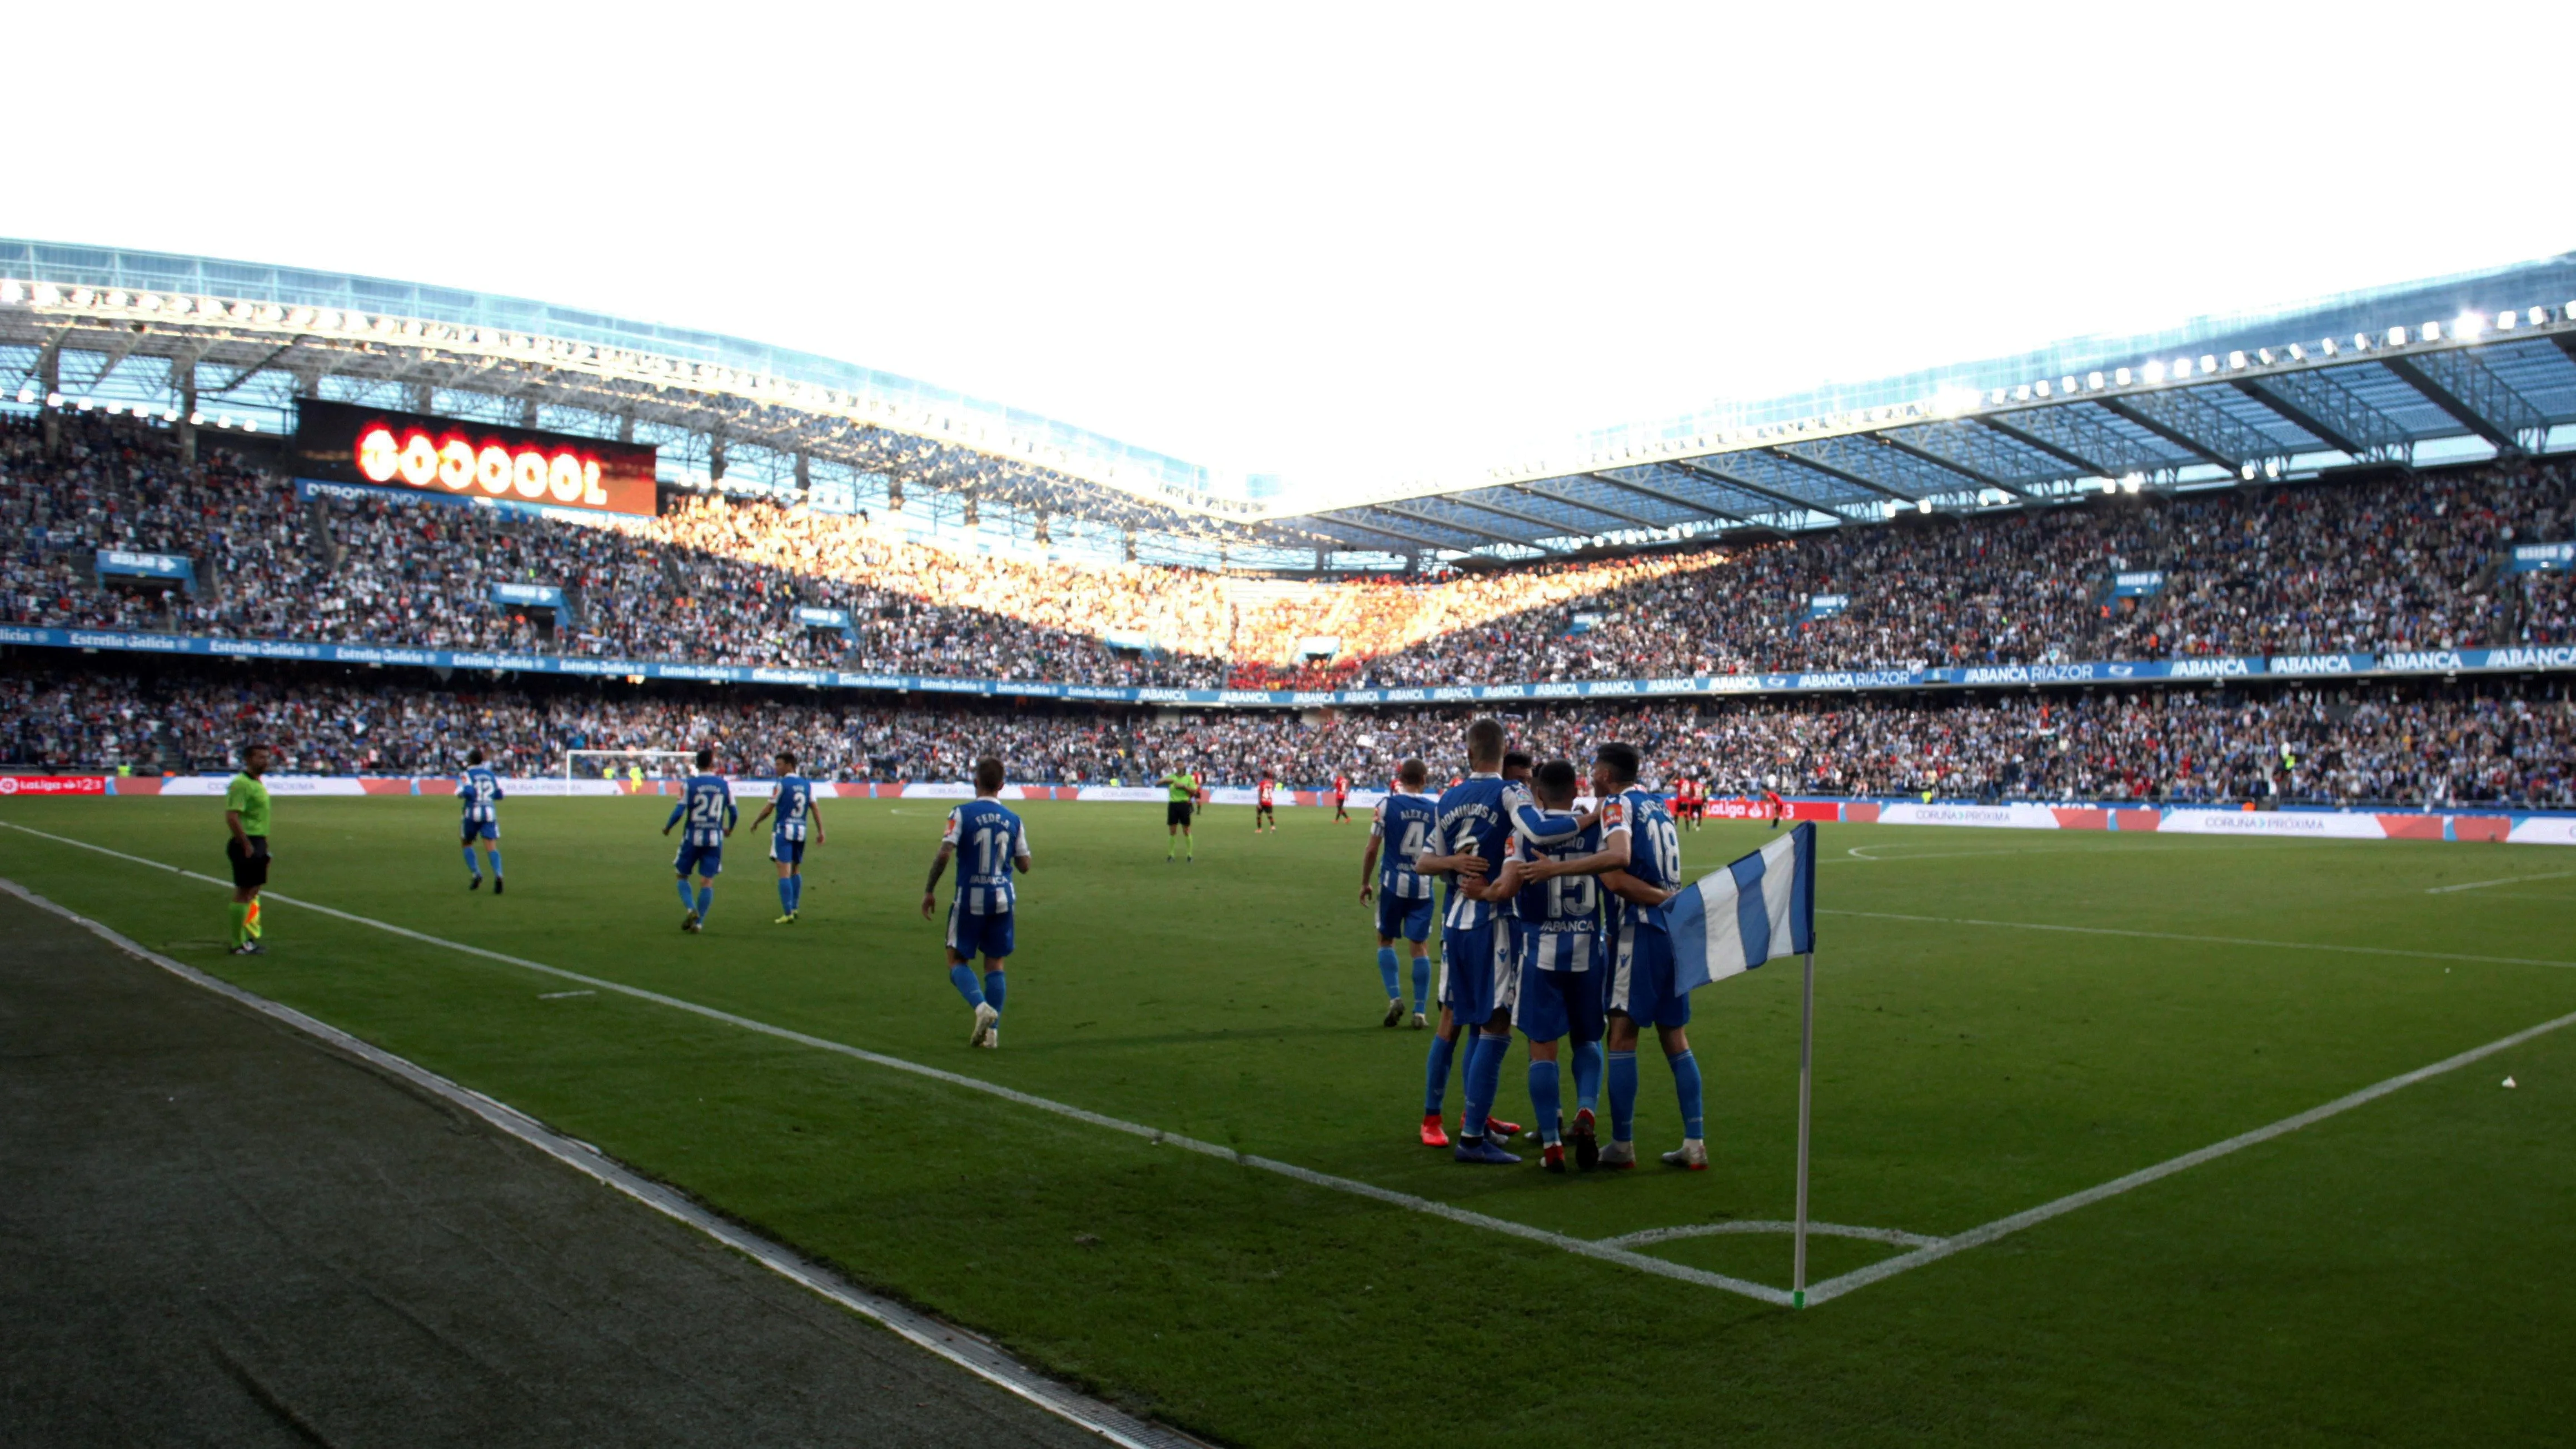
{"x":2393,"y":561}
{"x":2414,"y":744}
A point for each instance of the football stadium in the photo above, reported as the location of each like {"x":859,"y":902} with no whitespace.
{"x":2079,"y":824}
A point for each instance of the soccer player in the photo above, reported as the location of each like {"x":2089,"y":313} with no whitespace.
{"x":1686,"y":801}
{"x":246,"y":816}
{"x":1176,"y":815}
{"x":797,"y":810}
{"x":1774,"y":806}
{"x":1639,"y":863}
{"x":979,"y":918}
{"x":1263,"y":803}
{"x":1400,"y":827}
{"x":1557,"y":955}
{"x":706,"y":802}
{"x":478,"y":790}
{"x":1473,"y":825}
{"x":1341,"y":798}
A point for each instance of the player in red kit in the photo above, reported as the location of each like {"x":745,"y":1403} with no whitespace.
{"x":1265,"y":803}
{"x":1341,"y":798}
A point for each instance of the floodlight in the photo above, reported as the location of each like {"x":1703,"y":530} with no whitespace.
{"x":2208,"y":364}
{"x":2093,"y":380}
{"x":88,"y":403}
{"x":2396,"y":336}
{"x":196,"y":420}
{"x":2432,"y":331}
{"x":53,"y":399}
{"x":2067,"y":384}
{"x":2536,"y":316}
{"x":2263,"y":355}
{"x":2271,"y":467}
{"x":1922,"y":505}
{"x":2505,"y":320}
{"x":2326,"y":346}
{"x":2154,"y":370}
{"x":26,"y":397}
{"x":2120,"y":376}
{"x":2236,"y":362}
{"x":47,"y":295}
{"x":250,"y":425}
{"x":2130,"y":481}
{"x":169,"y":415}
{"x":2022,"y":393}
{"x":2181,"y":368}
{"x":2110,"y":487}
{"x":2468,"y":325}
{"x":2247,"y":472}
{"x":2040,"y":387}
{"x":12,"y":293}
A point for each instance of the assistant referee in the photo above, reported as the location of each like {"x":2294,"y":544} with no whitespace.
{"x":246,"y":814}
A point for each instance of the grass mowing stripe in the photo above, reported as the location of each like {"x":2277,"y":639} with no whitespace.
{"x":967,"y":1350}
{"x":1978,"y":1236}
{"x":1605,"y":1252}
{"x":2206,"y":940}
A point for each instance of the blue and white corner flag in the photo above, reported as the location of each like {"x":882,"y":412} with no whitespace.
{"x":1759,"y":908}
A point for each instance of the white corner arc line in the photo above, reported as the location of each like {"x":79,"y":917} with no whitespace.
{"x":1897,"y":1237}
{"x":1640,"y":1261}
{"x":2205,"y":940}
{"x":1833,"y":1288}
{"x":2479,"y":885}
{"x":962,"y":1347}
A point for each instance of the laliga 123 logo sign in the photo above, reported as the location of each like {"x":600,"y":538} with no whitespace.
{"x":451,"y":461}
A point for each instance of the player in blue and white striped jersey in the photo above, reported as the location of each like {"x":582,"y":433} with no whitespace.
{"x":797,"y":813}
{"x":478,"y":790}
{"x":706,"y":803}
{"x":990,"y":842}
{"x":1399,"y":830}
{"x":1640,"y":865}
{"x":1558,"y":951}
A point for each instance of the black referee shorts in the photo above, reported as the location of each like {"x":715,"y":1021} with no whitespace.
{"x":250,"y":867}
{"x":1177,"y":813}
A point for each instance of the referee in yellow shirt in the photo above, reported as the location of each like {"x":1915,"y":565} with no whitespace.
{"x":246,"y":815}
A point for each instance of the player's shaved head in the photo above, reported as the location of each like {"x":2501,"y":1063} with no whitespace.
{"x":1485,"y":744}
{"x":706,"y":759}
{"x":1412,"y":773}
{"x":473,"y":757}
{"x":1620,"y":761}
{"x":1553,"y":783}
{"x":988,"y":776}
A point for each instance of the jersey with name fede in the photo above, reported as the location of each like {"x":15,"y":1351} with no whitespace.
{"x":794,"y":803}
{"x":1562,"y":912}
{"x":706,"y":805}
{"x":1654,"y":853}
{"x":478,"y":790}
{"x":1404,"y":824}
{"x":1475,"y":819}
{"x":987,"y":838}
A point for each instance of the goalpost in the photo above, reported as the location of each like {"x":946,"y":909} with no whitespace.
{"x":618,"y":760}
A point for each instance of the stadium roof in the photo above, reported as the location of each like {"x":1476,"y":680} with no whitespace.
{"x":2454,"y":367}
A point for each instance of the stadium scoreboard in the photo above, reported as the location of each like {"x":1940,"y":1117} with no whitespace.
{"x":375,"y":447}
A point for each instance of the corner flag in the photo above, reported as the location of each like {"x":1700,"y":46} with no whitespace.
{"x":1759,"y":909}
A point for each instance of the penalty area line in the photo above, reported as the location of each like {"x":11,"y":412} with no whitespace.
{"x":2206,"y":940}
{"x":1605,"y":1252}
{"x":1833,"y":1288}
{"x":967,"y":1350}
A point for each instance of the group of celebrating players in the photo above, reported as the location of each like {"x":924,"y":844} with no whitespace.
{"x":1555,"y":924}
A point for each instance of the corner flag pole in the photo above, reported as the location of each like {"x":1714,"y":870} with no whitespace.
{"x":1806,"y":1094}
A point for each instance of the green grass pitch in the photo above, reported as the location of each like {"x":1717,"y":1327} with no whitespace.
{"x":2404,"y":1272}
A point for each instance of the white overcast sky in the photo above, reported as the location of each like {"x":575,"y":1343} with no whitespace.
{"x":1332,"y":243}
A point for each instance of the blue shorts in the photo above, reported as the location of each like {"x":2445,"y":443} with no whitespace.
{"x":786,"y":851}
{"x":1406,"y":916}
{"x":705,"y":860}
{"x":482,"y":830}
{"x":1559,"y":1003}
{"x":1641,"y":979}
{"x":972,"y":934}
{"x":1476,"y":979}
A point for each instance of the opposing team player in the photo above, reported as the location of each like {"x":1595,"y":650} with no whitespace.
{"x":1473,"y":826}
{"x":797,"y":812}
{"x":1557,"y":953}
{"x":1639,"y":862}
{"x":1687,"y":801}
{"x":1184,"y":787}
{"x":706,"y":803}
{"x":1341,"y":798}
{"x":478,"y":790}
{"x":980,"y":917}
{"x":1263,"y":802}
{"x":1774,"y":806}
{"x":1399,"y":829}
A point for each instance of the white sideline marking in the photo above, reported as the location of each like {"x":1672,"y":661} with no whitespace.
{"x":1605,"y":1252}
{"x":1833,"y":1288}
{"x":2479,"y":885}
{"x":561,"y":995}
{"x":967,"y":1350}
{"x":2207,"y":940}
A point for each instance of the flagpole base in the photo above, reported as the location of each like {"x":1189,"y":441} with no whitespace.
{"x":1798,"y":1299}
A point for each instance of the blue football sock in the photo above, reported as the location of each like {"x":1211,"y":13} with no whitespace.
{"x":787,"y":892}
{"x":470,"y":868}
{"x":1543,"y":1098}
{"x":706,"y":898}
{"x":1435,"y":1082}
{"x":1587,"y":1076}
{"x":495,"y":853}
{"x":1686,"y":1088}
{"x":796,"y":891}
{"x":1386,"y":970}
{"x":688,"y":902}
{"x":1623,"y":1096}
{"x":1421,"y":983}
{"x":993,"y":988}
{"x":964,"y":977}
{"x":1484,"y":1078}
